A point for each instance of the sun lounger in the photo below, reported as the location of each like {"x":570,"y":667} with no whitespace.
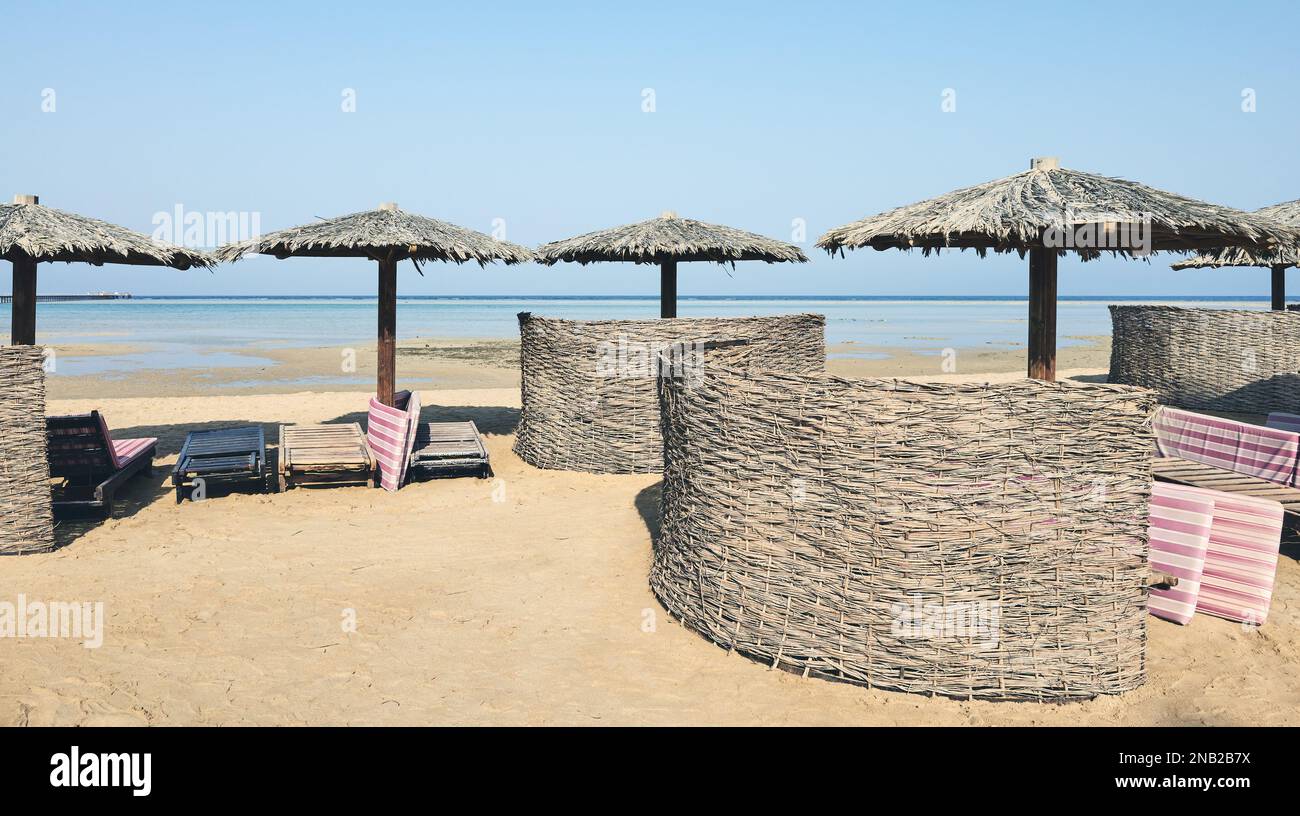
{"x":449,"y":448}
{"x":1230,"y":456}
{"x":91,"y":464}
{"x":324,"y":454}
{"x":224,"y":455}
{"x":1197,"y":474}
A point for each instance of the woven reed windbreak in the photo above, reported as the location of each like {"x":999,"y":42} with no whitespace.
{"x":588,"y":387}
{"x":26,"y":519}
{"x":1231,"y":360}
{"x":975,"y":541}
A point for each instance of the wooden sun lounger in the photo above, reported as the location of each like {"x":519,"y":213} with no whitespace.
{"x":91,"y":464}
{"x":324,"y":454}
{"x":445,"y":448}
{"x":223,"y":455}
{"x":1197,"y":474}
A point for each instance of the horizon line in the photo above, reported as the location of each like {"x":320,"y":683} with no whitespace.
{"x":654,"y":297}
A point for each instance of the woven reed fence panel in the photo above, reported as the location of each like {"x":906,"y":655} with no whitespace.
{"x":26,"y":520}
{"x":975,"y":541}
{"x":588,"y":387}
{"x":1214,"y":359}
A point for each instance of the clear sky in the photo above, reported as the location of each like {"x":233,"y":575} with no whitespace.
{"x":763,"y":114}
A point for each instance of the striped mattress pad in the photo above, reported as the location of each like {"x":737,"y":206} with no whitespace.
{"x":389,"y":435}
{"x":125,"y":451}
{"x":1241,"y":558}
{"x":1255,"y":450}
{"x":1181,"y":521}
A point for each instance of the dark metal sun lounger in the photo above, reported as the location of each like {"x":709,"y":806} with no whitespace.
{"x":91,"y":464}
{"x":223,"y":455}
{"x":447,"y":448}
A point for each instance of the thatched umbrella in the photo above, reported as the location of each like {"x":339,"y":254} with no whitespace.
{"x":386,"y":235}
{"x":1047,"y":211}
{"x":1279,"y":260}
{"x":31,"y":234}
{"x":667,"y":241}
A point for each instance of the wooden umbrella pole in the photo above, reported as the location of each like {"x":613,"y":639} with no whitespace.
{"x":1042,"y":314}
{"x":1279,"y":288}
{"x":387,"y":380}
{"x":668,"y":289}
{"x":23,"y":324}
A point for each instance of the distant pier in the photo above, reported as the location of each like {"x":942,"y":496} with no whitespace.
{"x":65,"y":298}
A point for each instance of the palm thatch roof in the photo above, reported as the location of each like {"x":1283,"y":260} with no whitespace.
{"x":381,"y":234}
{"x":1012,"y":214}
{"x":668,"y":239}
{"x":1287,"y":213}
{"x":43,"y":234}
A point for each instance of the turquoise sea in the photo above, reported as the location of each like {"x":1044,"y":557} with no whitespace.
{"x":184,"y":332}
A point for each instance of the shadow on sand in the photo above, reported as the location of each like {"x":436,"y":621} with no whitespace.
{"x":1090,"y":378}
{"x":147,"y":488}
{"x":647,"y":505}
{"x":490,"y":419}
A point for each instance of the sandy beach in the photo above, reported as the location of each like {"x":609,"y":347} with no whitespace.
{"x":517,"y":600}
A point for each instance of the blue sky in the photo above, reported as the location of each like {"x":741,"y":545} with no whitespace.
{"x":764,"y":113}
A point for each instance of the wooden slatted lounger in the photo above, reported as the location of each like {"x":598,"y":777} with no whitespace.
{"x":91,"y":464}
{"x":1230,"y":456}
{"x":443,"y":448}
{"x":223,"y":455}
{"x":324,"y":454}
{"x":1198,"y":474}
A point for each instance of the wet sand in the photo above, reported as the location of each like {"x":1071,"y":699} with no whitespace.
{"x":484,"y":363}
{"x":422,"y":363}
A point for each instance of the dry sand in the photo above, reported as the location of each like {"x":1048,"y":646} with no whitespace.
{"x":520,"y":600}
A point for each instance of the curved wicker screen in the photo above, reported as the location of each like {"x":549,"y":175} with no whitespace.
{"x":1214,"y":359}
{"x":588,"y":387}
{"x":26,"y":520}
{"x":977,"y":541}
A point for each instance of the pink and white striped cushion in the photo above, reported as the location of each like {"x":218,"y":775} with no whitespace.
{"x":1181,"y":518}
{"x":1254,"y":450}
{"x":123,"y":452}
{"x":126,"y":451}
{"x":1284,"y":422}
{"x":108,"y":439}
{"x":412,"y":425}
{"x":386,"y":432}
{"x":1241,"y":559}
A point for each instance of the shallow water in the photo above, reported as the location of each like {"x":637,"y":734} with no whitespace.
{"x":201,"y":332}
